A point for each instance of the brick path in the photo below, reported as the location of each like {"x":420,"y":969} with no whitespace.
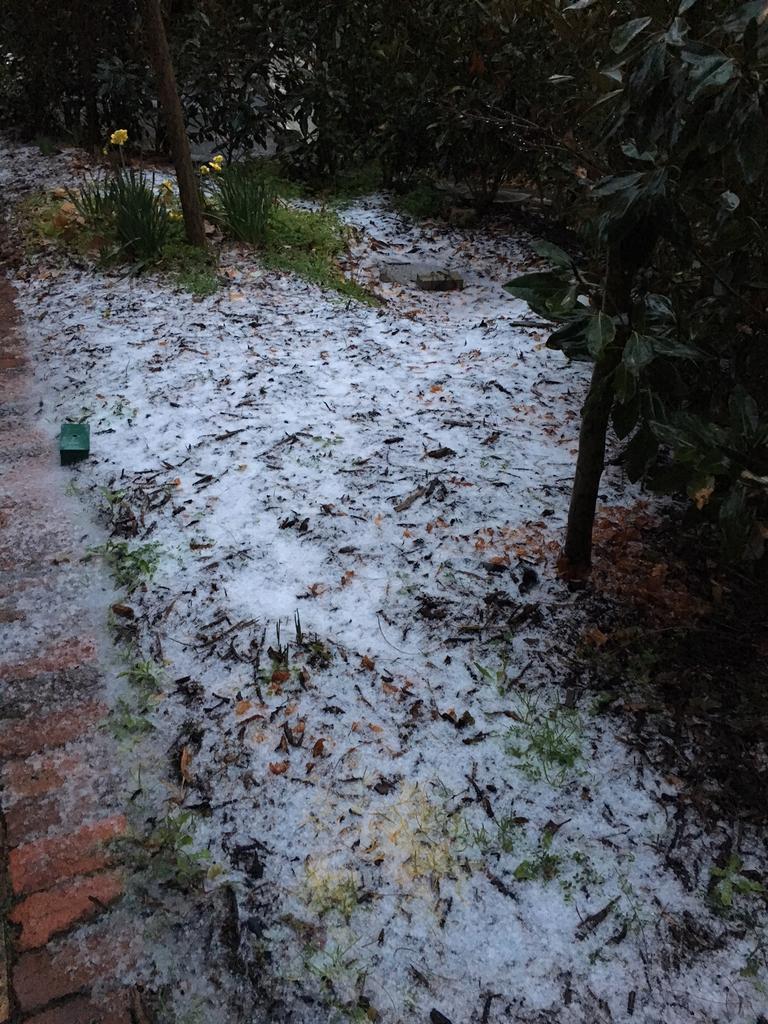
{"x":59,"y":788}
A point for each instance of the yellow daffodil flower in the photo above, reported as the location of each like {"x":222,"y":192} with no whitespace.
{"x":205,"y":169}
{"x":119,"y":137}
{"x":215,"y":167}
{"x":218,"y":159}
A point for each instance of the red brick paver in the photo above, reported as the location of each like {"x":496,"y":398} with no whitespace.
{"x":45,"y":914}
{"x":56,"y":762}
{"x":69,"y":968}
{"x":70,"y":654}
{"x":38,"y":865}
{"x":83,"y":1011}
{"x":22,"y":778}
{"x":25,"y":737}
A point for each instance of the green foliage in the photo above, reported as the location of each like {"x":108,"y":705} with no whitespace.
{"x":49,"y":77}
{"x":200,"y":282}
{"x":125,"y":208}
{"x":46,"y":145}
{"x":190,"y":267}
{"x":543,"y":866}
{"x":94,"y":200}
{"x":146,"y":677}
{"x":306,"y":230}
{"x":309,"y":244}
{"x":675,"y":238}
{"x":129,"y":718}
{"x":504,"y":836}
{"x":130,"y":566}
{"x":127,"y":723}
{"x":499,"y":677}
{"x":243,"y":201}
{"x":330,"y":891}
{"x":644,"y":129}
{"x":168,"y":854}
{"x":546,"y":741}
{"x":733,"y":883}
{"x":140,"y":215}
{"x":422,"y":202}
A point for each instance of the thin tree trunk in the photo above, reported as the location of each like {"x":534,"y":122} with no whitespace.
{"x":160,"y":58}
{"x":624,"y":260}
{"x":577,"y":551}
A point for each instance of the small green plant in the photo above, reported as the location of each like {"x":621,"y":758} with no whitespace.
{"x":128,"y":720}
{"x":197,"y":282}
{"x":756,"y":964}
{"x":584,"y":878}
{"x":335,"y":965}
{"x":498,"y":677}
{"x":502,"y":838}
{"x":308,"y":243}
{"x":631,"y":913}
{"x":329,"y":890}
{"x":243,"y":200}
{"x":168,"y":853}
{"x":130,"y":566}
{"x":546,"y":741}
{"x":94,"y":200}
{"x":319,"y":654}
{"x":422,"y":202}
{"x":140,"y":216}
{"x":46,"y":145}
{"x":542,"y":866}
{"x":190,"y":267}
{"x":146,"y":677}
{"x":127,"y":724}
{"x":733,"y":882}
{"x":112,"y":498}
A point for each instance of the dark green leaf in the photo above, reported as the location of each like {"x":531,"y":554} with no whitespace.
{"x":630,"y":149}
{"x":624,"y":384}
{"x":600,"y":332}
{"x":551,"y":252}
{"x":673,"y":349}
{"x":744,"y":413}
{"x":550,"y":293}
{"x":570,"y":339}
{"x":638,"y":352}
{"x":736,"y":520}
{"x":751,"y":144}
{"x":618,"y":183}
{"x":625,"y":417}
{"x":709,"y":74}
{"x":737,"y":22}
{"x":649,"y":71}
{"x":625,"y":33}
{"x":639,"y":453}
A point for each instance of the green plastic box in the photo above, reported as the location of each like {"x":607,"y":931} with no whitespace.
{"x":74,"y":442}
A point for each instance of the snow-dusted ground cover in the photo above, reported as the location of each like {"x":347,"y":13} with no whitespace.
{"x":356,"y":510}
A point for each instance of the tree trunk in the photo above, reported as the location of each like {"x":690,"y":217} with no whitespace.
{"x":624,"y":260}
{"x":577,"y":552}
{"x":160,"y":58}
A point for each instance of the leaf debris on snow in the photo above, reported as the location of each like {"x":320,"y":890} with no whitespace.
{"x":275,"y":438}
